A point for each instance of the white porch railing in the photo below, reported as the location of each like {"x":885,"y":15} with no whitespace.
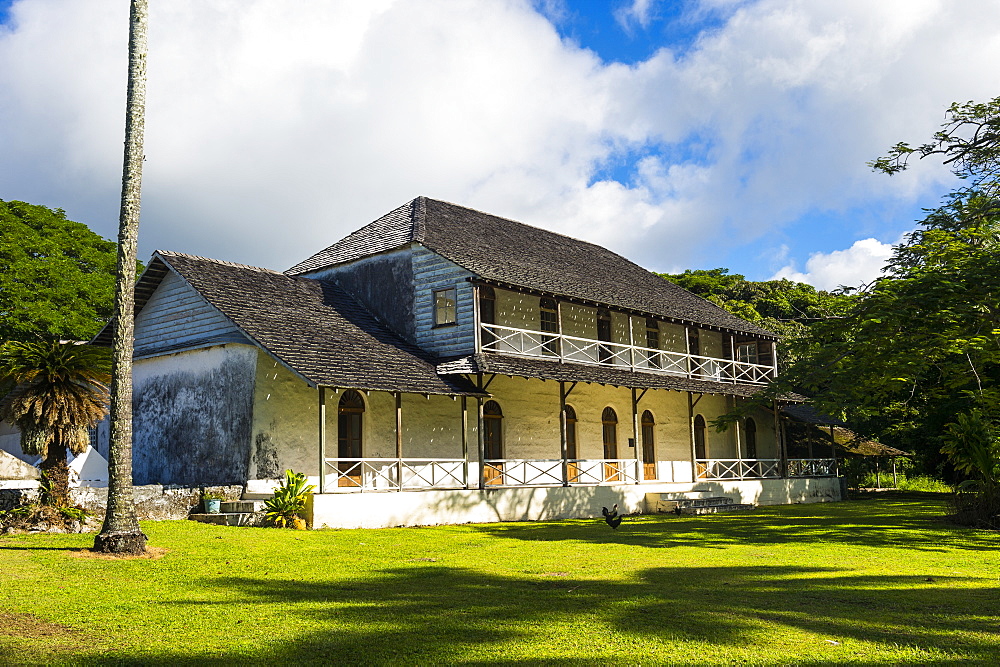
{"x":385,"y":474}
{"x":738,"y":468}
{"x":812,"y":467}
{"x":603,"y":471}
{"x":522,"y":472}
{"x":524,"y":342}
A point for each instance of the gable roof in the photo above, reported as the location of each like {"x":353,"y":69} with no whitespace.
{"x":316,"y":329}
{"x":511,"y":253}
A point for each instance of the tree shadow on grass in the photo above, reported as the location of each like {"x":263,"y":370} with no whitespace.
{"x":438,"y":614}
{"x":889,"y":521}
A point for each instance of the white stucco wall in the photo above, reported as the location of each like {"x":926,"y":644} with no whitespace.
{"x":383,"y":510}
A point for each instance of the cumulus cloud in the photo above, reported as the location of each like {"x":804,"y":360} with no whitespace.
{"x":275,"y":128}
{"x":856,"y":266}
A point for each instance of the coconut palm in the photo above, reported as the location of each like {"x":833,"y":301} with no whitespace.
{"x":59,"y":392}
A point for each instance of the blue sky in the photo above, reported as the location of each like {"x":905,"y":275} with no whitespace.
{"x":686,"y":134}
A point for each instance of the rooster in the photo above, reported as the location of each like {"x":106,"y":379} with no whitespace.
{"x":612,"y":518}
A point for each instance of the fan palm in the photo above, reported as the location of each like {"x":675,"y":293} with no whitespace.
{"x":59,"y":392}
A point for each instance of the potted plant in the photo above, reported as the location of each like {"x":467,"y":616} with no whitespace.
{"x":212,"y":501}
{"x":283,"y":509}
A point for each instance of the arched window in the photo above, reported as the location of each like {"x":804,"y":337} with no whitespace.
{"x":493,"y":430}
{"x":609,"y":420}
{"x":648,"y":446}
{"x":571,"y":452}
{"x":751,"y":431}
{"x":493,"y":443}
{"x":700,"y":450}
{"x":350,"y":411}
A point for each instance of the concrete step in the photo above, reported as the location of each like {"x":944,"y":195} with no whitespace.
{"x":257,"y":496}
{"x":243,"y":505}
{"x":230,"y":518}
{"x":714,"y":501}
{"x":714,"y":509}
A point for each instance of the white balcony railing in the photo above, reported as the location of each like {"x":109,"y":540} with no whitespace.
{"x":812,"y":467}
{"x":738,"y":468}
{"x":523,"y":342}
{"x":385,"y":474}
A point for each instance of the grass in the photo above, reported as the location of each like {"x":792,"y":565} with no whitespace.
{"x":879,"y":580}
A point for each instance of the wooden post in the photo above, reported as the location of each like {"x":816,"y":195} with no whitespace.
{"x":563,"y":445}
{"x":895,"y":482}
{"x":465,"y":441}
{"x":694,"y":453}
{"x":635,"y":430}
{"x":833,"y":450}
{"x":479,"y":432}
{"x":399,"y":441}
{"x":878,"y":476}
{"x":736,"y":435}
{"x":322,"y":439}
{"x":477,"y":319}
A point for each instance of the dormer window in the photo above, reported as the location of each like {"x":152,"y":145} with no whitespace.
{"x":444,"y":307}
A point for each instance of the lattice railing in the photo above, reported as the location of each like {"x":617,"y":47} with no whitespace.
{"x":812,"y":467}
{"x":380,"y":474}
{"x":523,"y":472}
{"x":738,"y":468}
{"x":524,"y":342}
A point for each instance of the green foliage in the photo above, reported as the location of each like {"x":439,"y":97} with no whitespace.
{"x":56,"y":276}
{"x":289,"y":499}
{"x":74,"y":513}
{"x":922,"y":344}
{"x":212,"y":495}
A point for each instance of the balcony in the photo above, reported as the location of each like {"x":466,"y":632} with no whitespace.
{"x":560,"y":347}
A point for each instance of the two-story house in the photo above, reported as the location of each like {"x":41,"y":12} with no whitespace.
{"x":446,"y":365}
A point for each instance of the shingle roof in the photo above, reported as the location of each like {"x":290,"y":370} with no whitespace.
{"x":512,"y":253}
{"x":313,"y":327}
{"x":570,"y":372}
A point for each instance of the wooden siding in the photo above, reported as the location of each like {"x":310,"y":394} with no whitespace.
{"x":433,"y":272}
{"x":176,"y":317}
{"x":383,"y":283}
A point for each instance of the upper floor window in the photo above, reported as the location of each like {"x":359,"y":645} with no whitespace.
{"x":444,"y":306}
{"x":549,"y":315}
{"x":747,"y":352}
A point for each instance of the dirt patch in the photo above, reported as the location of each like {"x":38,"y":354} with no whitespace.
{"x":29,"y":627}
{"x":152,"y":553}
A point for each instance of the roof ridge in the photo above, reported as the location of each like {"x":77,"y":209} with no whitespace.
{"x":170,"y":253}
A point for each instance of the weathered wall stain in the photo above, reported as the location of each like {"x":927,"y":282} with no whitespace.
{"x":193,"y":426}
{"x":384,"y":284}
{"x":265,"y":457}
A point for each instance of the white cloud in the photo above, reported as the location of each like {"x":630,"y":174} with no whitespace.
{"x":639,"y":11}
{"x":275,"y":128}
{"x":856,"y":266}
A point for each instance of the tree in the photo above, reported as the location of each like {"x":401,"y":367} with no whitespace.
{"x":60,"y":391}
{"x":56,"y":276}
{"x":120,"y":533}
{"x":785,"y":307}
{"x":920,"y":348}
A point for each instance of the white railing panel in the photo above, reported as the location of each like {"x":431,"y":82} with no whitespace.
{"x":382,"y":474}
{"x":523,"y":472}
{"x":812,"y":467}
{"x":602,"y":471}
{"x":738,"y":468}
{"x":511,"y":340}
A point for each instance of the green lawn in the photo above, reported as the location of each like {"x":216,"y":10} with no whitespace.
{"x":875,"y":580}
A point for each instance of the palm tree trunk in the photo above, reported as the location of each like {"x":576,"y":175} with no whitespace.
{"x":120,"y":533}
{"x":56,"y":471}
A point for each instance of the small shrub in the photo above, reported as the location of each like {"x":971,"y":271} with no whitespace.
{"x":289,"y":500}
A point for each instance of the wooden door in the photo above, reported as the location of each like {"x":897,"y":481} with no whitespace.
{"x":572,"y":468}
{"x":648,"y":448}
{"x":349,"y":433}
{"x":493,"y":443}
{"x":609,"y":422}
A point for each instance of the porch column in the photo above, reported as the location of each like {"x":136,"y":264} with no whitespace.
{"x":739,"y":443}
{"x":477,"y":319}
{"x":635,"y":431}
{"x":833,"y":450}
{"x":783,"y":448}
{"x":694,"y":453}
{"x":563,"y":446}
{"x":465,"y":441}
{"x":481,"y":435}
{"x":399,"y":441}
{"x":322,"y":439}
{"x":777,"y":437}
